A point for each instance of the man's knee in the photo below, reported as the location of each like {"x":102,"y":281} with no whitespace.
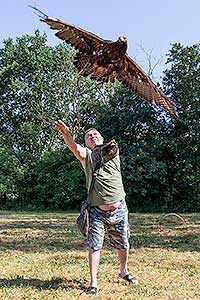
{"x":92,"y":250}
{"x":94,"y":245}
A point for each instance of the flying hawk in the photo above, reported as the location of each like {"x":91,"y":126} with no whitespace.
{"x":105,"y":61}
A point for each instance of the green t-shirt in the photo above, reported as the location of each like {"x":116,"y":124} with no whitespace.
{"x":108,"y":186}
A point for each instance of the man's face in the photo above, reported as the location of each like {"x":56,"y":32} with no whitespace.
{"x":93,"y":138}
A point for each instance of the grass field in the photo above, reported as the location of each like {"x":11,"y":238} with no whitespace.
{"x":43,"y":257}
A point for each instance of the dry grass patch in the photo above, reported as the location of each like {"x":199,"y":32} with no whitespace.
{"x":42,"y":256}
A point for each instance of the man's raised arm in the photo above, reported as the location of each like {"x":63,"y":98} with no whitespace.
{"x":78,"y":150}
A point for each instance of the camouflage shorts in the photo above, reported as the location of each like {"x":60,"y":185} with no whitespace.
{"x":114,"y":222}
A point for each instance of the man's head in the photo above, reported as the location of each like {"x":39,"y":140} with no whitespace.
{"x":93,"y":138}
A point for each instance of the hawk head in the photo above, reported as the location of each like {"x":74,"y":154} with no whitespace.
{"x":123,"y":43}
{"x":123,"y":39}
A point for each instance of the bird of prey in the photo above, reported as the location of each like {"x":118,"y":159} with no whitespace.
{"x":105,"y":61}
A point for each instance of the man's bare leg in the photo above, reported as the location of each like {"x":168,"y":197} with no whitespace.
{"x":123,"y":272}
{"x":123,"y":258}
{"x":94,"y":257}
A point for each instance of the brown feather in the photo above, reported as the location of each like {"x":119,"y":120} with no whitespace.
{"x":107,"y":61}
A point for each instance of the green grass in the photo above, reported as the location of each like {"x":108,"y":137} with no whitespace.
{"x":43,"y":256}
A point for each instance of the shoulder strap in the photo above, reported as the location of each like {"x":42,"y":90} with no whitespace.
{"x":94,"y":175}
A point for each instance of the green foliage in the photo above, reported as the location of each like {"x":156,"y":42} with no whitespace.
{"x":55,"y":181}
{"x":10,"y":174}
{"x":38,"y":85}
{"x":59,"y":181}
{"x":182,"y":82}
{"x":33,"y":82}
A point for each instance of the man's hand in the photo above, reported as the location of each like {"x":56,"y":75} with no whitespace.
{"x":76,"y":149}
{"x":61,"y":127}
{"x":109,"y":150}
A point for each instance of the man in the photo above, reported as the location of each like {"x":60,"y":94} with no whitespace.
{"x":107,"y":199}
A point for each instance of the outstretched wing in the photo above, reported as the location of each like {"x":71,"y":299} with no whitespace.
{"x":137,"y":80}
{"x":82,"y":40}
{"x":89,"y":62}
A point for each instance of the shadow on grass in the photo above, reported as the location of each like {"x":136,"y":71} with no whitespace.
{"x":45,"y":225}
{"x":171,"y":234}
{"x":183,"y":242}
{"x":58,"y":232}
{"x":54,"y":283}
{"x":41,"y":246}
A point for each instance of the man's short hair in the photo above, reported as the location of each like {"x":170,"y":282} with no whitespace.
{"x":92,"y":128}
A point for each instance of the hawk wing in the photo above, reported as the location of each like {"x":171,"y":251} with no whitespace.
{"x":82,"y":40}
{"x":89,"y":46}
{"x":90,"y":62}
{"x":137,"y":80}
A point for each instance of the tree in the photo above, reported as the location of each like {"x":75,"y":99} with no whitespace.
{"x":31,"y":88}
{"x":10,"y":174}
{"x":59,"y":181}
{"x":38,"y":85}
{"x":181,"y":81}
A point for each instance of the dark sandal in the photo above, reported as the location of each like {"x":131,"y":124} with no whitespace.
{"x":129,"y":279}
{"x":92,"y":290}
